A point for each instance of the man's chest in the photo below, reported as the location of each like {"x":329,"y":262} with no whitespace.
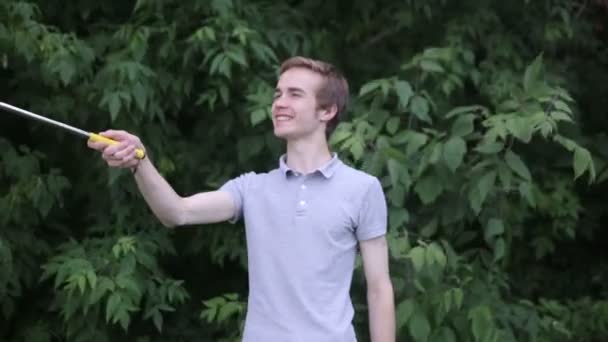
{"x":302,"y":211}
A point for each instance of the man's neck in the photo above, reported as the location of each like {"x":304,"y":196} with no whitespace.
{"x":307,"y":155}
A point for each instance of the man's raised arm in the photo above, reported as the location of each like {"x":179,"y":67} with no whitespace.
{"x":169,"y":207}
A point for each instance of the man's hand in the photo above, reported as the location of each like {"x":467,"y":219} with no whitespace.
{"x":121,"y":155}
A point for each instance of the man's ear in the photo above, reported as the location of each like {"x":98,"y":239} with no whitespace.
{"x":328,"y":113}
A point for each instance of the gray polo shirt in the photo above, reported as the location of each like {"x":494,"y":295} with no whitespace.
{"x":302,"y":235}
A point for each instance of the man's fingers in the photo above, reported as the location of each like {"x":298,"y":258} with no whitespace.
{"x":123,"y":163}
{"x":122,"y":154}
{"x":114,"y":163}
{"x":134,"y":162}
{"x":113,"y":149}
{"x":131,"y":157}
{"x":115,"y":135}
{"x":99,"y":146}
{"x":125,"y":152}
{"x":110,"y":158}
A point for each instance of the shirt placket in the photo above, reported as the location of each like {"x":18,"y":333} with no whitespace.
{"x":302,"y":196}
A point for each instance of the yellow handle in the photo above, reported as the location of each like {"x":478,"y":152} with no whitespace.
{"x":100,"y":138}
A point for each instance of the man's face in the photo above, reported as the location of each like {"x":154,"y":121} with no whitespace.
{"x":294,"y":109}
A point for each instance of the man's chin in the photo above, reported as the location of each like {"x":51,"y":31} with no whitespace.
{"x":283,"y":134}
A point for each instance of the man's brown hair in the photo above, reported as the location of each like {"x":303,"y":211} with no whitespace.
{"x":333,"y":91}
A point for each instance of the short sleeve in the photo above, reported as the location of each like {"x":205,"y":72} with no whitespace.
{"x":237,"y":188}
{"x":373,"y":213}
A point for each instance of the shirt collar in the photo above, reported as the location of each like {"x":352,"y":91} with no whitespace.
{"x":327,"y":170}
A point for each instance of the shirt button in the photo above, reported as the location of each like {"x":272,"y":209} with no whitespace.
{"x":302,"y":203}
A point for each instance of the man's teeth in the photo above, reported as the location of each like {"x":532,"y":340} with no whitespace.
{"x":283,"y":118}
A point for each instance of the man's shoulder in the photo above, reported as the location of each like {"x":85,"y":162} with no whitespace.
{"x":254,"y":177}
{"x":356,"y":175}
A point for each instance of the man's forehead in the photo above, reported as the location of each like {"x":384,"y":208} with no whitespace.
{"x":299,"y":78}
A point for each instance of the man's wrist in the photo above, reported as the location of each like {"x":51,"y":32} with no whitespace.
{"x":136,"y":167}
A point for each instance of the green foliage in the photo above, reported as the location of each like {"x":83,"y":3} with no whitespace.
{"x":483,"y":120}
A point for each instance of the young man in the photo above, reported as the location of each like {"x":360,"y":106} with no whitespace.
{"x":304,"y":220}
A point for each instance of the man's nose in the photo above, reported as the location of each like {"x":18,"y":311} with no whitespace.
{"x":279,"y":101}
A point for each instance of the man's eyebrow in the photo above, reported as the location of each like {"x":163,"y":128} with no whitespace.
{"x":291,"y":90}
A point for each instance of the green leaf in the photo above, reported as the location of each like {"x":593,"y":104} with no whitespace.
{"x":562,"y":106}
{"x":209,"y":314}
{"x":404,"y":93}
{"x":499,"y":249}
{"x":227,"y":310}
{"x":112,"y":305}
{"x":139,"y":93}
{"x":124,"y":319}
{"x":399,"y":248}
{"x":474,"y":198}
{"x":216,"y":62}
{"x":419,"y":106}
{"x":486,"y":147}
{"x":419,"y":327}
{"x":437,"y":254}
{"x":415,"y":142}
{"x":560,"y":116}
{"x":486,"y":184}
{"x":369,"y":87}
{"x":104,"y":285}
{"x":114,"y":106}
{"x":494,"y":228}
{"x":568,"y":144}
{"x":224,"y":93}
{"x":340,"y":135}
{"x":505,"y":176}
{"x":444,"y":334}
{"x":92,"y":277}
{"x":394,"y":169}
{"x":214,"y":302}
{"x":237,"y":55}
{"x":517,"y":165}
{"x":481,"y":322}
{"x":226,"y":70}
{"x":405,"y":310}
{"x":128,"y":283}
{"x":392,"y":125}
{"x":463,"y":125}
{"x":66,"y":71}
{"x":398,"y":217}
{"x":428,"y":189}
{"x":581,"y":161}
{"x":430,"y":65}
{"x":453,"y":152}
{"x":82,"y":283}
{"x":521,"y":128}
{"x":357,"y":147}
{"x":165,"y":307}
{"x":232,"y":296}
{"x":525,"y":190}
{"x":258,"y":116}
{"x":157,"y":318}
{"x":430,"y":228}
{"x":396,"y":195}
{"x":446,"y":301}
{"x":458,"y":297}
{"x":464,"y":109}
{"x":436,"y":152}
{"x":533,"y":74}
{"x":417,"y":256}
